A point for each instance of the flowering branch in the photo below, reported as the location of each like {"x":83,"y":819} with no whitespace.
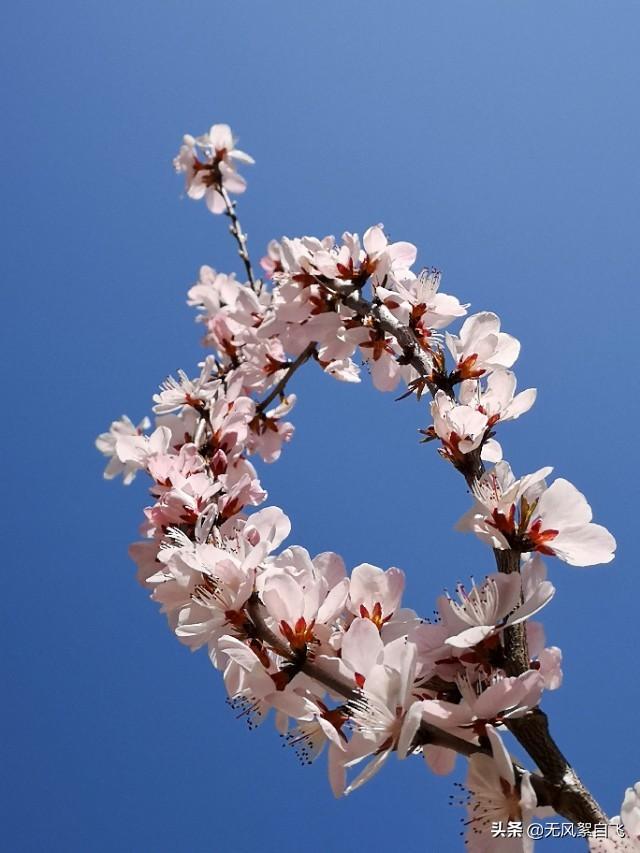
{"x":531,"y":730}
{"x":560,"y":797}
{"x":337,"y":658}
{"x":278,"y":389}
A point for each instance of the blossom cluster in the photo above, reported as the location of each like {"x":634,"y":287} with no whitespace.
{"x":335,"y":656}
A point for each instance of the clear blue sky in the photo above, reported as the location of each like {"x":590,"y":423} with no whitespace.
{"x":502,"y":138}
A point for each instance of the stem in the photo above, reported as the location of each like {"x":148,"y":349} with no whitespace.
{"x":304,"y":356}
{"x":240,"y":238}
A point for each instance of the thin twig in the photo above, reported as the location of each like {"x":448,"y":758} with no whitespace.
{"x":304,"y":356}
{"x":240,"y":237}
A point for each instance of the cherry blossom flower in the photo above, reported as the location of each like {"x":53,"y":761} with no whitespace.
{"x":356,"y":262}
{"x":187,"y":392}
{"x":269,"y":431}
{"x":254,"y":687}
{"x":182,"y":425}
{"x":245,"y":491}
{"x":630,"y":813}
{"x":503,"y":699}
{"x":382,"y":714}
{"x":497,"y":400}
{"x":501,"y":600}
{"x":297,"y":603}
{"x":217,"y":599}
{"x":327,"y":567}
{"x":380,"y":354}
{"x":497,"y":796}
{"x":361,"y":650}
{"x":317,"y":726}
{"x":461,"y":429}
{"x":415,"y":301}
{"x":343,"y":369}
{"x":271,"y":263}
{"x":107,"y":445}
{"x":528,"y":515}
{"x":167,"y":468}
{"x":213,"y":291}
{"x":204,"y":588}
{"x":229,"y":425}
{"x":203,"y":178}
{"x":136,"y":450}
{"x":374,"y":593}
{"x":481,"y":346}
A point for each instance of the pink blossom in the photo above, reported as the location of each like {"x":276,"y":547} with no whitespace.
{"x":343,"y":369}
{"x":203,"y":178}
{"x":137,"y":450}
{"x":497,"y":796}
{"x":297,"y":602}
{"x":187,"y":392}
{"x":501,"y":600}
{"x":269,"y":431}
{"x":528,"y":515}
{"x":481,"y":346}
{"x":356,"y":262}
{"x":497,"y":400}
{"x":502,"y":699}
{"x":623,"y":831}
{"x":460,"y":428}
{"x":361,"y":650}
{"x":382,"y":716}
{"x":375,"y":594}
{"x":415,"y":301}
{"x":253,"y":688}
{"x":214,"y":291}
{"x":338,"y":659}
{"x":107,"y":445}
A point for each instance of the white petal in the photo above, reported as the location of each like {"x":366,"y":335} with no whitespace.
{"x":491,"y":451}
{"x":563,"y":505}
{"x":410,"y":726}
{"x":470,"y":637}
{"x":520,"y":404}
{"x":587,"y":545}
{"x":369,"y":771}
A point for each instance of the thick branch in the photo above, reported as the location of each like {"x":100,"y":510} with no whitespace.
{"x":515,"y":636}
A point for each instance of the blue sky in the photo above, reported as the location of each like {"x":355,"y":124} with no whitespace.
{"x":501,"y":138}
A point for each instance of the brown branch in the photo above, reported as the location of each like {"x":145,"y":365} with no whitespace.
{"x":563,"y":800}
{"x":240,"y":237}
{"x":514,"y":639}
{"x":304,"y":356}
{"x":412,"y":352}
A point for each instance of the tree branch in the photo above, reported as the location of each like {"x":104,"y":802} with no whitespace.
{"x":565,"y":800}
{"x":304,"y":356}
{"x":240,"y":237}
